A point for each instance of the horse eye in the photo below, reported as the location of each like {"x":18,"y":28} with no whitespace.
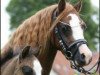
{"x":66,"y":29}
{"x":84,"y":26}
{"x":27,"y":70}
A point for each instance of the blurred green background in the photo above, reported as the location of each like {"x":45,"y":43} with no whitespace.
{"x":19,"y":10}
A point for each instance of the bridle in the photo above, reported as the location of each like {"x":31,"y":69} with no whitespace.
{"x":68,"y":49}
{"x":69,"y":54}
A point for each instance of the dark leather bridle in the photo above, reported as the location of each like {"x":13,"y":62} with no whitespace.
{"x":68,"y":49}
{"x":70,"y":54}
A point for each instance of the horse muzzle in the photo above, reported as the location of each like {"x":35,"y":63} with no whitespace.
{"x":86,"y":54}
{"x":79,"y":53}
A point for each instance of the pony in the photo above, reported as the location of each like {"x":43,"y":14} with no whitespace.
{"x":56,"y":27}
{"x":25,"y":63}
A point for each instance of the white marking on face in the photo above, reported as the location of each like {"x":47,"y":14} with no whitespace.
{"x":77,"y":33}
{"x":76,"y":27}
{"x":83,"y":49}
{"x":37,"y":67}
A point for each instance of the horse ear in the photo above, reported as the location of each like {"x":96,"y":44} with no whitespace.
{"x":78,"y":6}
{"x":61,"y":6}
{"x":24,"y":52}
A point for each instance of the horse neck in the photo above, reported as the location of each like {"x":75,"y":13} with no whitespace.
{"x":46,"y":59}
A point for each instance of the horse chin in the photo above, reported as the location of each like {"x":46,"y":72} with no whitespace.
{"x":76,"y":63}
{"x":79,"y":64}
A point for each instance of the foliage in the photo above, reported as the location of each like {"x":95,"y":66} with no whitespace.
{"x":19,"y":10}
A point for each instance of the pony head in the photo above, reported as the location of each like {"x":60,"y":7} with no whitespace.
{"x":27,"y":63}
{"x":69,"y":33}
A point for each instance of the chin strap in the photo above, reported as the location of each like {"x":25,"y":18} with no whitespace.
{"x":82,"y":70}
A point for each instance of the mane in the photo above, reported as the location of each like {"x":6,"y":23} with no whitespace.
{"x":36,"y":30}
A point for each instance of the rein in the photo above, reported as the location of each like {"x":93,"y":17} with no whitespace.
{"x":67,"y":49}
{"x":82,"y":70}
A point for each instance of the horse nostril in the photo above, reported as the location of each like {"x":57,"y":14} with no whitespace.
{"x":90,"y":60}
{"x":82,"y":56}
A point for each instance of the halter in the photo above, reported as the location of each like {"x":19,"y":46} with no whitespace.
{"x":67,"y":49}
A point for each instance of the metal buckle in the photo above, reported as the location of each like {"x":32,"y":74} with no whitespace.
{"x":68,"y":55}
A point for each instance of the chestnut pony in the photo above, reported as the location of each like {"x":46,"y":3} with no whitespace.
{"x":57,"y":27}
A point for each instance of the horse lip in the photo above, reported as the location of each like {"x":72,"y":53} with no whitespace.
{"x":89,"y":61}
{"x":79,"y":63}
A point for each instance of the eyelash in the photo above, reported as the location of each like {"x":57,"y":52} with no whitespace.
{"x":66,"y":30}
{"x":84,"y":27}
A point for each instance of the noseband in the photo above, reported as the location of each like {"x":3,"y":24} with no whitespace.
{"x":68,"y":49}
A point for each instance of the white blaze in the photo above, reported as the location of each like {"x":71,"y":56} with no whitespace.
{"x":77,"y":32}
{"x":37,"y":67}
{"x":76,"y":27}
